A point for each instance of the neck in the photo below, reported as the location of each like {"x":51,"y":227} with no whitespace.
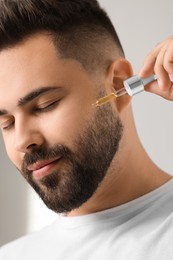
{"x":131,"y":174}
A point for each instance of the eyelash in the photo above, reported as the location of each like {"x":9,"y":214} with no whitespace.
{"x":38,"y":110}
{"x":8,"y":127}
{"x":46,"y":108}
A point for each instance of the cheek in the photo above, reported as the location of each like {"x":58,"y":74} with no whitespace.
{"x":63,"y":128}
{"x":65,"y":124}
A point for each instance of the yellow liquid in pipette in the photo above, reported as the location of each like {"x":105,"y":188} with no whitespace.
{"x":107,"y":98}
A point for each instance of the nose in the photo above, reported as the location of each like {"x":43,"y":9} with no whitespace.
{"x":27,"y":136}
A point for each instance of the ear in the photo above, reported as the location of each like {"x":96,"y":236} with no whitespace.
{"x":119,"y":71}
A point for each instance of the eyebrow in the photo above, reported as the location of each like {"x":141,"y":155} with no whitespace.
{"x":31,"y":96}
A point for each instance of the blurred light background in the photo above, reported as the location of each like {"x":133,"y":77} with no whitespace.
{"x":140,"y":26}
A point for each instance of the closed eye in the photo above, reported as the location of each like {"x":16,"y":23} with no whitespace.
{"x":46,"y":107}
{"x":42,"y":108}
{"x":8,"y":126}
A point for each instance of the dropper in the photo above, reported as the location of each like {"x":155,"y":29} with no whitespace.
{"x":132,"y":86}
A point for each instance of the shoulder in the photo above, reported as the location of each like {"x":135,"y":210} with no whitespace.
{"x":29,"y":246}
{"x":13,"y":249}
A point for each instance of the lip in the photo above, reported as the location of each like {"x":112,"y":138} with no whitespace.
{"x":43,"y":168}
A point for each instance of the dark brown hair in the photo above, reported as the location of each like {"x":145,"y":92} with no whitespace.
{"x":80,"y":29}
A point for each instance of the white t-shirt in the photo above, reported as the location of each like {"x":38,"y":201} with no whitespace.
{"x":139,"y":230}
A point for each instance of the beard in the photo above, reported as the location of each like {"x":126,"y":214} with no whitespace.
{"x":82,"y":170}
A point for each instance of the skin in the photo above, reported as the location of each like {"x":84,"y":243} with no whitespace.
{"x":160,"y":62}
{"x":35,"y":63}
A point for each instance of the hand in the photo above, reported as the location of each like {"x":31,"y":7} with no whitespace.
{"x":160,"y":62}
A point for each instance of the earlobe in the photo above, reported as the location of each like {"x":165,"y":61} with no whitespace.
{"x":119,"y":71}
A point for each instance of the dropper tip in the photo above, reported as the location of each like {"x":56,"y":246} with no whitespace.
{"x":105,"y":99}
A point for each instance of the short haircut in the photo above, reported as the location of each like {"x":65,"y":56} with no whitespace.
{"x":80,"y":29}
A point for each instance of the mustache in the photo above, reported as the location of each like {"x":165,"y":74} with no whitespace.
{"x":45,"y":153}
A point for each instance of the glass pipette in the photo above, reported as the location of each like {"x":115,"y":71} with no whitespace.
{"x":132,"y":86}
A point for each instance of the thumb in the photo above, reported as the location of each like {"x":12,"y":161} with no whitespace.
{"x":155,"y":89}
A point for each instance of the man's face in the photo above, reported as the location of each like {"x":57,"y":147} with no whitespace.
{"x":53,"y":134}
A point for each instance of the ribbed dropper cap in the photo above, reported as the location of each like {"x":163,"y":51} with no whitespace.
{"x":136,"y":84}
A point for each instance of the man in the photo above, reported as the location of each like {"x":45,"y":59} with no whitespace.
{"x":57,"y":58}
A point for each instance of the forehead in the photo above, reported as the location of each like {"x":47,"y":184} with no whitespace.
{"x":31,"y":64}
{"x":27,"y":54}
{"x":22,"y":63}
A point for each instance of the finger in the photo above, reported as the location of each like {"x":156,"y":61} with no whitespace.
{"x":162,"y":75}
{"x":148,"y":66}
{"x":168,"y":60}
{"x":155,"y":89}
